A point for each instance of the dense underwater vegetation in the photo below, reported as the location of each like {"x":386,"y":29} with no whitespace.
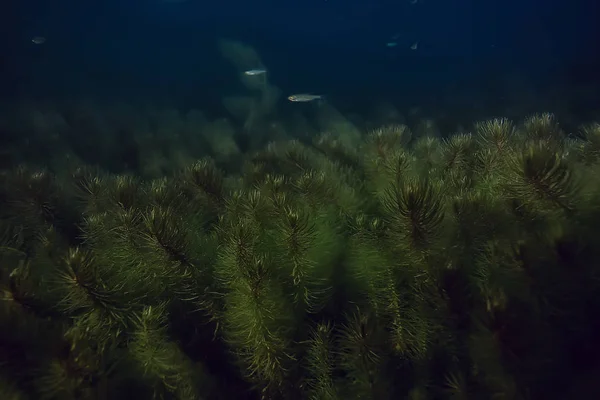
{"x":390,"y":267}
{"x":174,"y":226}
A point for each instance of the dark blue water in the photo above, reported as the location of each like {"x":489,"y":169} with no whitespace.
{"x":335,"y":47}
{"x":488,"y":55}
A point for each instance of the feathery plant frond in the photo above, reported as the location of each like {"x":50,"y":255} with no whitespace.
{"x":279,"y":202}
{"x":72,"y":373}
{"x":164,"y":232}
{"x":262,"y":162}
{"x":488,"y":167}
{"x":251,"y":206}
{"x":160,"y":359}
{"x":11,"y":240}
{"x":414,"y":211}
{"x":345,"y":187}
{"x":123,"y":249}
{"x":204,"y":179}
{"x":335,"y":150}
{"x":295,"y":159}
{"x":237,"y":251}
{"x":540,"y":173}
{"x":457,"y":150}
{"x":257,"y":316}
{"x":95,"y":228}
{"x":289,"y":158}
{"x":358,"y":338}
{"x":299,"y":230}
{"x":125,"y":191}
{"x":411,"y":330}
{"x":457,"y":182}
{"x":165,"y":192}
{"x":298,"y":235}
{"x":479,"y":215}
{"x":98,"y":309}
{"x":309,"y":247}
{"x":57,"y":381}
{"x":29,"y":276}
{"x":543,"y":127}
{"x":369,"y":266}
{"x":574,"y":151}
{"x":32,"y":201}
{"x":361,"y":356}
{"x":76,"y":280}
{"x":274,"y":184}
{"x":361,"y":226}
{"x":320,"y":363}
{"x":36,"y":193}
{"x":22,"y":291}
{"x":167,"y":250}
{"x":428,"y":151}
{"x":387,"y":139}
{"x":591,"y":147}
{"x":456,"y":386}
{"x":497,"y":276}
{"x":398,"y":165}
{"x":496,"y":134}
{"x":258,"y":323}
{"x":253,"y":171}
{"x":313,"y":188}
{"x":124,"y":228}
{"x":90,"y":189}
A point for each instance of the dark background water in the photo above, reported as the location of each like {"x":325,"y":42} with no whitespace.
{"x":470,"y":54}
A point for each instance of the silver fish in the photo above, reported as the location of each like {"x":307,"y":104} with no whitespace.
{"x":38,"y":40}
{"x":303,"y":97}
{"x":254,"y":72}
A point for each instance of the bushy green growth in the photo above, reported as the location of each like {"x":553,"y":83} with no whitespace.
{"x":161,"y":361}
{"x":461,"y":268}
{"x":320,"y":363}
{"x":591,"y":146}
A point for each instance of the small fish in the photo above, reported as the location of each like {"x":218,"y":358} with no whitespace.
{"x":414,"y":46}
{"x":303,"y":98}
{"x":255,"y":72}
{"x":38,"y":40}
{"x":391,"y":44}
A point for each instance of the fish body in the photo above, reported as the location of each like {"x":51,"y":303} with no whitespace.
{"x":38,"y":40}
{"x":304,"y":97}
{"x":255,"y":72}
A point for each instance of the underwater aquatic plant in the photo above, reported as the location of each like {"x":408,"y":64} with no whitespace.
{"x":386,"y":139}
{"x":467,"y":266}
{"x":539,"y":174}
{"x":160,"y":359}
{"x":414,"y":212}
{"x":361,"y":356}
{"x":542,"y":127}
{"x":498,"y":133}
{"x":591,"y":146}
{"x":457,"y":150}
{"x":320,"y":363}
